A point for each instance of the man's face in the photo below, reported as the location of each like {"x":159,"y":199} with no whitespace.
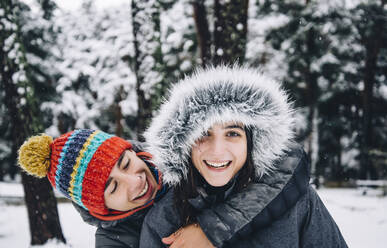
{"x":130,"y":183}
{"x":221,"y":153}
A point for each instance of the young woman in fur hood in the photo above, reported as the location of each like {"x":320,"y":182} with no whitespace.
{"x":223,"y":142}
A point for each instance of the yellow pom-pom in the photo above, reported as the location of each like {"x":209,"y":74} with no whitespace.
{"x":34,"y":155}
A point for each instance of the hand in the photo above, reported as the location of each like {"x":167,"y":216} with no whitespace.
{"x":189,"y":236}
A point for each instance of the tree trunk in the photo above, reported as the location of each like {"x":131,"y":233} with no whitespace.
{"x":230,"y":31}
{"x":372,"y":51}
{"x":42,"y":210}
{"x":144,"y":112}
{"x":39,"y":198}
{"x":227,"y":43}
{"x":148,"y":59}
{"x":373,"y":44}
{"x":202,"y":31}
{"x":311,"y":94}
{"x":118,"y":112}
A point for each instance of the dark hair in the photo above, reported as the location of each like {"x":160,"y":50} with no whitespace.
{"x":187,"y":188}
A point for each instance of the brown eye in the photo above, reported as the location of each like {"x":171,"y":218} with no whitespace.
{"x":232,"y":134}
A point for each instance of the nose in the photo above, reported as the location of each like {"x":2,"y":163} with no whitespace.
{"x":133,"y":183}
{"x":216,"y":146}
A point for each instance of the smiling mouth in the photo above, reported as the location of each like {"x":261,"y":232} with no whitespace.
{"x":144,"y":191}
{"x":216,"y":165}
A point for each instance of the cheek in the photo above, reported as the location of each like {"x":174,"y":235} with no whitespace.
{"x":244,"y":152}
{"x":121,"y":202}
{"x":195,"y":156}
{"x":240,"y":151}
{"x":195,"y":153}
{"x":138,"y":165}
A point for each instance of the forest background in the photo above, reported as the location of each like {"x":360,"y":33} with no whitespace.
{"x":109,"y":68}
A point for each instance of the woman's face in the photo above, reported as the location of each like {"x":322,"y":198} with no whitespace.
{"x":130,"y":183}
{"x":221,"y":153}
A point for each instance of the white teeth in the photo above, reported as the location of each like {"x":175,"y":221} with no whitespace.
{"x":144,"y":190}
{"x":215,"y":164}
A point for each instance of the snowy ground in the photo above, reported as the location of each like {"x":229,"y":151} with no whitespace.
{"x":362,"y":219}
{"x":14,"y":229}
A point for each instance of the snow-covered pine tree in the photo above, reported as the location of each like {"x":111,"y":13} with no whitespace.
{"x":26,"y":84}
{"x":148,"y":59}
{"x":96,"y":64}
{"x":306,"y":47}
{"x":362,"y":49}
{"x":178,"y":41}
{"x":304,"y":50}
{"x":7,"y":161}
{"x":96,"y":86}
{"x":324,"y":52}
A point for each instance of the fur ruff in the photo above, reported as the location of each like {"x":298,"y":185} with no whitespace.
{"x":219,"y":95}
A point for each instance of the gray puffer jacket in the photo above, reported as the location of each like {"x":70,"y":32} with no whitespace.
{"x":234,"y":216}
{"x":278,"y":208}
{"x":126,"y":232}
{"x":120,"y":233}
{"x":276,"y":211}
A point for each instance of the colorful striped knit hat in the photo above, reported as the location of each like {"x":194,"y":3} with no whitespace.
{"x":77,"y":163}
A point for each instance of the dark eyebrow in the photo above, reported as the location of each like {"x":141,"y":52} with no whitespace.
{"x":119,"y":161}
{"x":235,"y":126}
{"x":108,"y":183}
{"x":127,"y":163}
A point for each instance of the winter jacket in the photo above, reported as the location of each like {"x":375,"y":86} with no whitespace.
{"x":281,"y":210}
{"x":278,"y":208}
{"x":126,"y":232}
{"x":120,"y":233}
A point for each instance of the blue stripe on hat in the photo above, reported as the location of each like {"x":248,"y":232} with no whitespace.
{"x":97,"y":140}
{"x":68,"y":158}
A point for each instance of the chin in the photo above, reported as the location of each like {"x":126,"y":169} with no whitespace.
{"x":217,"y":182}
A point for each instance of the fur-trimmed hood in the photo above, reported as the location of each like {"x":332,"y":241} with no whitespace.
{"x":218,"y":95}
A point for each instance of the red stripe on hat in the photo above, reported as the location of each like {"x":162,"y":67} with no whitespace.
{"x":56,"y":149}
{"x":98,"y":171}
